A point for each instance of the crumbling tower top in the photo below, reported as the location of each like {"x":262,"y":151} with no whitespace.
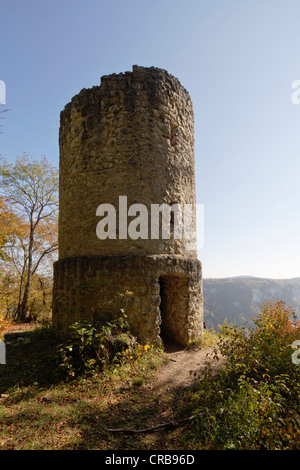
{"x":131,"y":136}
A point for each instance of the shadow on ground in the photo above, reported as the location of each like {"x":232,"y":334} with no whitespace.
{"x":81,"y":417}
{"x":27,"y":364}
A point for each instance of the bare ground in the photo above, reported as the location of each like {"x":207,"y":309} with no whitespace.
{"x":182,"y":367}
{"x":150,"y":406}
{"x":164,"y":392}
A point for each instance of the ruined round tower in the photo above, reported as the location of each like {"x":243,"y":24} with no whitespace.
{"x":127,"y":208}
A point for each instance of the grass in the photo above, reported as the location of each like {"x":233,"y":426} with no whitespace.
{"x":252,"y":404}
{"x":41,"y":410}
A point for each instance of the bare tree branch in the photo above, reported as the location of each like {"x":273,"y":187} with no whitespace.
{"x":32,"y":189}
{"x":158,"y":427}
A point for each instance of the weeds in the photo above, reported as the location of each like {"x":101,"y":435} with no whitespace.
{"x":93,"y":345}
{"x":41,"y":408}
{"x":254,"y":403}
{"x":251,"y":403}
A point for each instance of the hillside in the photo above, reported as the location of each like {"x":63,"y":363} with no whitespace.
{"x":238,"y":298}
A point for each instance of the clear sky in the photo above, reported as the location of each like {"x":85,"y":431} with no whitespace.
{"x":238,"y":60}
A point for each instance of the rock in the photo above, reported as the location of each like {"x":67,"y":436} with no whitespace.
{"x":3,"y":396}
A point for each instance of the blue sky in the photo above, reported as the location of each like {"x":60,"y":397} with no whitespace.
{"x":237,"y":59}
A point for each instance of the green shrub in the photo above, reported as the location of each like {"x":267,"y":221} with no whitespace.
{"x":266,"y":348}
{"x":92,"y":345}
{"x":254,"y":403}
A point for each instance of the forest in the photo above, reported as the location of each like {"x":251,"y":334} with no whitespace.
{"x":28,"y":237}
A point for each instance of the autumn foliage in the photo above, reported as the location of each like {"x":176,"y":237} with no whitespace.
{"x":28,"y":236}
{"x":265,"y":348}
{"x":254,"y":403}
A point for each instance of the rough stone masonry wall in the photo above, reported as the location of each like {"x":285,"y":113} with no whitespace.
{"x":133,"y":135}
{"x":87,"y":286}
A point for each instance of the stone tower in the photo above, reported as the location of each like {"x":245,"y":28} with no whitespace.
{"x":126,"y":174}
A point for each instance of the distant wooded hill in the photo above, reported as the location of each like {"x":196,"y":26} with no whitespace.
{"x":238,"y":299}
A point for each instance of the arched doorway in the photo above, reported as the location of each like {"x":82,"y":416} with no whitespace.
{"x":174,"y":296}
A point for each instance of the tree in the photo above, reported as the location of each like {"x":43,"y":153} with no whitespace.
{"x":9,"y":224}
{"x":30,"y":188}
{"x":11,"y":230}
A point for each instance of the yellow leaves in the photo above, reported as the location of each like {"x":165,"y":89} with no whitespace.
{"x":128,"y":292}
{"x":128,"y":353}
{"x":5,"y":324}
{"x":28,"y":227}
{"x":137,"y":351}
{"x":11,"y":225}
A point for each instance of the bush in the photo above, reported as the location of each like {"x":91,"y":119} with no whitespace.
{"x":92,"y":345}
{"x":267,"y":347}
{"x":254,"y":404}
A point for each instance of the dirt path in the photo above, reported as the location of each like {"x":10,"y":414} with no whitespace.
{"x":177,"y":370}
{"x":161,"y":397}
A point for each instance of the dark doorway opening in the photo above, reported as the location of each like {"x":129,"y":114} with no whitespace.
{"x":173,"y":309}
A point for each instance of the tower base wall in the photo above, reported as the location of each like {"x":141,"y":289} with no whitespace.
{"x":160,"y":294}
